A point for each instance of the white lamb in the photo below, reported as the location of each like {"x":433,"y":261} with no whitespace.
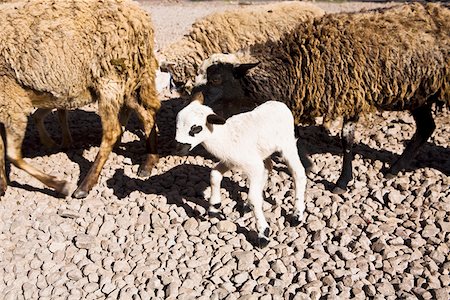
{"x":245,"y":141}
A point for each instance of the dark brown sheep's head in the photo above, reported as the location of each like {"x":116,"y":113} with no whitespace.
{"x":223,"y":90}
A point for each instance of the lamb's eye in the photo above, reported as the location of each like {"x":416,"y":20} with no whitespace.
{"x":195,"y":129}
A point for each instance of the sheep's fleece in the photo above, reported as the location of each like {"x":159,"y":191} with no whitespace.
{"x":351,"y":63}
{"x":231,"y":31}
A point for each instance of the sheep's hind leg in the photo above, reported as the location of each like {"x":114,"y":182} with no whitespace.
{"x":67,"y":141}
{"x":348,"y":136}
{"x":3,"y":181}
{"x":424,"y":129}
{"x":39,"y":116}
{"x":107,"y":108}
{"x":298,"y":173}
{"x":14,"y":138}
{"x":255,"y":195}
{"x":214,"y":202}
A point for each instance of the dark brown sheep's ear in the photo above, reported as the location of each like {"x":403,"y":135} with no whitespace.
{"x":215,"y":119}
{"x":242,"y":69}
{"x":198,"y":96}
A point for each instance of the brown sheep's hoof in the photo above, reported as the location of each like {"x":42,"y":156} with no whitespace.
{"x":145,"y":170}
{"x":62,"y":187}
{"x":389,"y":175}
{"x":79,"y":194}
{"x":338,"y":190}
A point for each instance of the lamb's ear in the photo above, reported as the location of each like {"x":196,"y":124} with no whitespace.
{"x":215,"y":119}
{"x":241,"y":69}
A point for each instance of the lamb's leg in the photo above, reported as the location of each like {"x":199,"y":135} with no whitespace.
{"x":216,"y":178}
{"x":15,"y":133}
{"x":3,"y":181}
{"x":147,"y":116}
{"x":108,"y":110}
{"x":424,"y":129}
{"x":255,"y":196}
{"x":63,"y":116}
{"x":39,"y":116}
{"x":298,"y":173}
{"x":348,"y":136}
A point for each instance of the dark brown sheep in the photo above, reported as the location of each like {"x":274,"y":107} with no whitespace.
{"x":347,"y":65}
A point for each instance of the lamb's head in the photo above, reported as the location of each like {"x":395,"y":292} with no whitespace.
{"x":222,"y":87}
{"x":194,"y":125}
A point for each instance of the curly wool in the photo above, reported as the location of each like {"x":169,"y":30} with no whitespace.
{"x":348,"y":64}
{"x":231,"y":31}
{"x":64,"y":49}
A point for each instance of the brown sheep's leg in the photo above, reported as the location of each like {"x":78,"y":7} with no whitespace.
{"x":107,"y":109}
{"x":148,"y":120}
{"x":63,"y":116}
{"x":3,"y":181}
{"x":14,"y":137}
{"x":424,"y":129}
{"x":348,"y":136}
{"x":39,"y":116}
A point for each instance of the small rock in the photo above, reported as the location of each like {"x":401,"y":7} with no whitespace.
{"x":84,"y":241}
{"x":386,"y":289}
{"x":430,"y":231}
{"x":226,"y":226}
{"x":315,"y":225}
{"x":278,"y":267}
{"x":245,"y":260}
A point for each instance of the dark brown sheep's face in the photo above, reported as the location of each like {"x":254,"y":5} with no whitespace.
{"x":223,"y":91}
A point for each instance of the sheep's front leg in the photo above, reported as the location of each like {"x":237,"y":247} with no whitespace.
{"x":255,"y":195}
{"x":147,"y":116}
{"x":424,"y":129}
{"x":216,"y":178}
{"x":348,"y":136}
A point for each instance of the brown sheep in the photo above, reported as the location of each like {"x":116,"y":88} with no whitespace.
{"x":66,"y":54}
{"x":347,"y":65}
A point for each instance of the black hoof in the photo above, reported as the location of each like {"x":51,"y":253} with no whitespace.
{"x":338,"y":190}
{"x":79,"y":194}
{"x":295,"y":220}
{"x":263,"y":242}
{"x":389,"y":175}
{"x":142,"y":172}
{"x":215,"y":214}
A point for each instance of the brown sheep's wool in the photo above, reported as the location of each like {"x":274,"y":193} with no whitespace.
{"x":230,"y":31}
{"x":66,"y":54}
{"x":345,"y":65}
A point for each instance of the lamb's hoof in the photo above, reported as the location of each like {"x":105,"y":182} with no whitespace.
{"x":263,"y":240}
{"x":295,"y":220}
{"x":338,"y":190}
{"x":216,"y":214}
{"x":79,"y":194}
